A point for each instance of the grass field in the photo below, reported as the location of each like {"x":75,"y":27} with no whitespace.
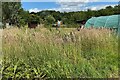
{"x":46,"y":53}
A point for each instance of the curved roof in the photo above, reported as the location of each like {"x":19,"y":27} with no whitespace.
{"x":104,"y":21}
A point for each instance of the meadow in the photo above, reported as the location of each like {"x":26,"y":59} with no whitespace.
{"x":47,"y":53}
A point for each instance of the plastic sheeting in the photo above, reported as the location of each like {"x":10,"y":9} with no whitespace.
{"x":103,"y":21}
{"x":1,"y":24}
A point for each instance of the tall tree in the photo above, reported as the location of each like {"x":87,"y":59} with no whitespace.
{"x":50,"y":19}
{"x":10,"y":12}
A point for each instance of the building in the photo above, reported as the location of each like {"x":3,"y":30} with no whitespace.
{"x":111,"y":22}
{"x":32,"y":24}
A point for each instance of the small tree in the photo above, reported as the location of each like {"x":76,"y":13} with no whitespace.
{"x":49,"y":19}
{"x":33,"y":18}
{"x":10,"y":11}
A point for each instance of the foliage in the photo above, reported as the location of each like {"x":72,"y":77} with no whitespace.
{"x":72,"y":17}
{"x":49,"y":19}
{"x":10,"y":12}
{"x":24,"y":16}
{"x":15,"y":14}
{"x":33,"y":18}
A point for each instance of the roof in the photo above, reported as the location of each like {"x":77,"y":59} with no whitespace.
{"x":103,"y":21}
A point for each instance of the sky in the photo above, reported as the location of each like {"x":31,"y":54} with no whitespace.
{"x":65,"y":5}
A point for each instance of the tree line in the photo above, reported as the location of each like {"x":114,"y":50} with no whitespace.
{"x":13,"y":13}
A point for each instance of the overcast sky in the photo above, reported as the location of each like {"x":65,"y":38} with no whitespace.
{"x":66,"y":5}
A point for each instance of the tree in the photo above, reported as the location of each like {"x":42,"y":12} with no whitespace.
{"x":116,"y":9}
{"x":50,"y":19}
{"x":10,"y":12}
{"x":90,"y":13}
{"x":24,"y":17}
{"x":109,"y":7}
{"x":33,"y":18}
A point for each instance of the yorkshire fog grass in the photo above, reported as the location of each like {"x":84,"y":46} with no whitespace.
{"x":45,"y":53}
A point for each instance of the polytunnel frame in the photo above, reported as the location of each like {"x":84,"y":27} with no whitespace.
{"x":95,"y":21}
{"x":98,"y":20}
{"x":107,"y":20}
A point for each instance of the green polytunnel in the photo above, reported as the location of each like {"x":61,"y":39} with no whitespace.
{"x":0,"y":23}
{"x":103,"y":21}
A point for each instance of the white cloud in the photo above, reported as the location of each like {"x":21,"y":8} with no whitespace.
{"x":74,"y":5}
{"x":69,"y":9}
{"x":98,"y":7}
{"x":70,"y":0}
{"x":77,"y":1}
{"x":77,"y":5}
{"x":34,"y":10}
{"x":94,"y":8}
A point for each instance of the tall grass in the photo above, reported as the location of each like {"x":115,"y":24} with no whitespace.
{"x":45,"y":53}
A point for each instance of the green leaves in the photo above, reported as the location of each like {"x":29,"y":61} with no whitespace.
{"x":33,"y":18}
{"x":10,"y":12}
{"x":50,"y":19}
